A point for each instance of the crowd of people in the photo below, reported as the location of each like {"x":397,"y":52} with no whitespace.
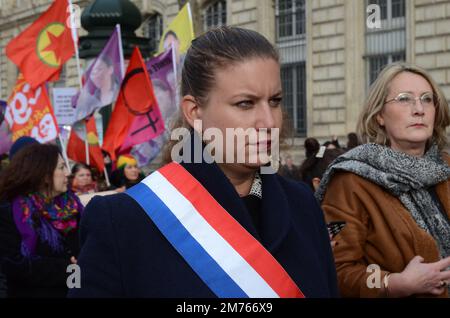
{"x":211,"y":228}
{"x":317,"y":159}
{"x":41,"y":205}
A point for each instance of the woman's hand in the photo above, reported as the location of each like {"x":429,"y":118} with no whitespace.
{"x":420,"y":278}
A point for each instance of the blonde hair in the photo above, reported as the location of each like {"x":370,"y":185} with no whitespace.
{"x":368,"y":127}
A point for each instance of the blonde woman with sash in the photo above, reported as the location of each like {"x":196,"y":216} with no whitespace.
{"x":201,"y":228}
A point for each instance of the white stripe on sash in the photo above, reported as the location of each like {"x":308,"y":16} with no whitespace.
{"x":217,"y":247}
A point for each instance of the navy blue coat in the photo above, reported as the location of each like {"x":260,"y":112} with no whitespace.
{"x":41,"y":276}
{"x":124,"y":254}
{"x":3,"y":287}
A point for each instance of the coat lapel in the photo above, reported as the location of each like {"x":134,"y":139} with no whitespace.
{"x":443,"y":192}
{"x":275,"y":216}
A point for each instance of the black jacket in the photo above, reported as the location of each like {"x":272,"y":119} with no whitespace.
{"x":41,"y":276}
{"x":3,"y":287}
{"x":124,"y":254}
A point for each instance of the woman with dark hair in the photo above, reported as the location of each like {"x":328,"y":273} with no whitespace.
{"x":38,"y":223}
{"x":311,"y":147}
{"x":105,"y":80}
{"x":102,"y":87}
{"x":203,"y":226}
{"x":313,"y":168}
{"x":171,"y":38}
{"x":352,"y":141}
{"x":127,"y":173}
{"x":81,"y":179}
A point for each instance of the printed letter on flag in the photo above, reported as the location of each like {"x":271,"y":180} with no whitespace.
{"x":29,"y":113}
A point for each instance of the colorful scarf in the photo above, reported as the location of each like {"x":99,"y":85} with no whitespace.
{"x":406,"y":177}
{"x":57,"y":217}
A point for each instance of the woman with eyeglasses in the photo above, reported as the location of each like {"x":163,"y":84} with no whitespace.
{"x":394,"y":192}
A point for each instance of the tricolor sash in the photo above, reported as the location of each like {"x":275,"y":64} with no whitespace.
{"x":229,"y":260}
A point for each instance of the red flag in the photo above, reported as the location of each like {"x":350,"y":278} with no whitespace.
{"x":76,"y":149}
{"x":29,"y":113}
{"x":44,"y":46}
{"x":136,"y":117}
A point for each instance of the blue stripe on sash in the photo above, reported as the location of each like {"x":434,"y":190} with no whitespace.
{"x":194,"y":254}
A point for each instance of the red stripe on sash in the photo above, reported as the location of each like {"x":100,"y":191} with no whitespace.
{"x":240,"y":239}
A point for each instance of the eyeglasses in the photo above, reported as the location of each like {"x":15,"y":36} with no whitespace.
{"x":426,"y":99}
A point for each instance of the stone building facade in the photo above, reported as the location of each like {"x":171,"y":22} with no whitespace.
{"x":329,"y":54}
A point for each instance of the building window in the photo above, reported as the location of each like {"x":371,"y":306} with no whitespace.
{"x":290,"y":18}
{"x":294,"y":95}
{"x":387,"y":44}
{"x":390,"y":9}
{"x":19,"y":4}
{"x":215,"y":15}
{"x":398,"y":8}
{"x":377,"y":63}
{"x":383,"y":7}
{"x":291,"y":42}
{"x":154,"y":30}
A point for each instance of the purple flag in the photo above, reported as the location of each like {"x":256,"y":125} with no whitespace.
{"x":5,"y":134}
{"x":162,"y":74}
{"x":102,"y":79}
{"x":161,"y":70}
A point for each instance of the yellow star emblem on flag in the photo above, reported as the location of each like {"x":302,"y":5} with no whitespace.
{"x":48,"y":43}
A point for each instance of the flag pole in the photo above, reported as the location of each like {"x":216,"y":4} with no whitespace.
{"x":77,"y":58}
{"x":75,"y":43}
{"x":105,"y":171}
{"x":64,"y":152}
{"x":122,"y":63}
{"x":86,"y":144}
{"x":175,"y":73}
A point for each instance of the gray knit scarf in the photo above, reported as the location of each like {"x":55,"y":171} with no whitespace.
{"x":404,"y":176}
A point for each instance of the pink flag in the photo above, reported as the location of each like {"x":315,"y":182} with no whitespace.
{"x":136,"y":117}
{"x":144,"y":128}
